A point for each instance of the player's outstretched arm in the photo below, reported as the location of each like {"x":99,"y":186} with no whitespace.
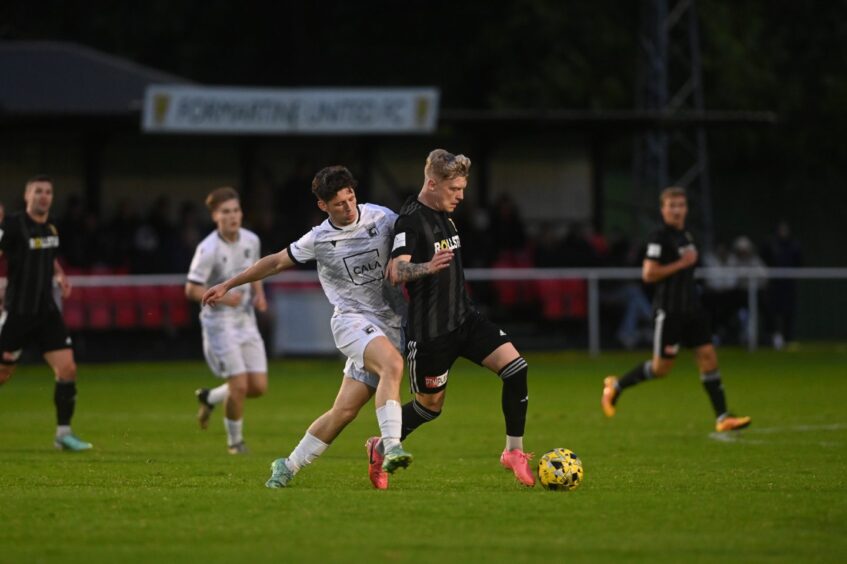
{"x":261,"y":269}
{"x":195,"y":293}
{"x":402,"y":270}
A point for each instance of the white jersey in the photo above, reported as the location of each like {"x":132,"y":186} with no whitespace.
{"x":217,"y":260}
{"x":351,"y":263}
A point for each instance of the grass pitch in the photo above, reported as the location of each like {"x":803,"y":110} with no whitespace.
{"x":658,"y":486}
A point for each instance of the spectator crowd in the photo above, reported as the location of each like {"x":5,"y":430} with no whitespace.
{"x":162,"y":239}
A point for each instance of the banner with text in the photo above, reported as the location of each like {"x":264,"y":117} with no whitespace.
{"x":313,"y":111}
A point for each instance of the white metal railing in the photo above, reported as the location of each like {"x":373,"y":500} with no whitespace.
{"x":591,"y":275}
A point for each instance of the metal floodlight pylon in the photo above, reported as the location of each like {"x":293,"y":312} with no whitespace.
{"x":670,"y":84}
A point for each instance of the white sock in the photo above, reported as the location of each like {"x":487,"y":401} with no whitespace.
{"x":513,"y":443}
{"x":233,"y":431}
{"x":309,"y":448}
{"x":390,"y":419}
{"x":62,"y":430}
{"x":218,"y":395}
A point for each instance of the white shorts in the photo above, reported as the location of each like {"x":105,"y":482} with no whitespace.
{"x":234,"y":349}
{"x":352,"y":333}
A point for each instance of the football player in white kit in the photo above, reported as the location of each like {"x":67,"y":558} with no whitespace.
{"x":351,"y":248}
{"x":232,"y":344}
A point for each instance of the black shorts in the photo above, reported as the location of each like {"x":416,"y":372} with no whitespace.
{"x":47,"y":331}
{"x":675,"y":329}
{"x":430,"y":361}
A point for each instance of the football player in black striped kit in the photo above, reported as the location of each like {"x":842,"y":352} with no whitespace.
{"x":31,"y":314}
{"x":443,"y":323}
{"x":679,"y":315}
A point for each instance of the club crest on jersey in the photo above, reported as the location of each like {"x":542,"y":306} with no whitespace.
{"x":51,"y":242}
{"x":451,"y":243}
{"x":364,"y":268}
{"x":369,"y":329}
{"x":372,"y":231}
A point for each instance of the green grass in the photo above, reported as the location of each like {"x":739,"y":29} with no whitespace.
{"x":657,"y":486}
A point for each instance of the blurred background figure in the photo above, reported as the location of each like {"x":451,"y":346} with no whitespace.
{"x":507,"y":227}
{"x":782,"y":251}
{"x":720,"y":294}
{"x":627,"y":295}
{"x":744,"y":256}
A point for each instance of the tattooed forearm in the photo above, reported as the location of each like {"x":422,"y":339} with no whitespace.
{"x":407,"y":271}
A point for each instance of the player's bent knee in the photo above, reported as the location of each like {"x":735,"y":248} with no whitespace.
{"x":257,"y":389}
{"x":396,"y":366}
{"x":66,"y":372}
{"x":393,"y":371}
{"x":5,"y":373}
{"x":237,"y":389}
{"x":433,"y":402}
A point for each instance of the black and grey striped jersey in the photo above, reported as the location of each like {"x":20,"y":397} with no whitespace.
{"x":438,"y":303}
{"x":678,"y":292}
{"x":30,"y":248}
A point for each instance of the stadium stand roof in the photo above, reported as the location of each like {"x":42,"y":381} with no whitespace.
{"x":59,"y":79}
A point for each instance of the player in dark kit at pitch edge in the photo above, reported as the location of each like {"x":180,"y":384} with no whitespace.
{"x":443,"y":323}
{"x":680,"y":318}
{"x":31,"y":314}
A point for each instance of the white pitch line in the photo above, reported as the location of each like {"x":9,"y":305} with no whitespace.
{"x":731,"y":438}
{"x":739,"y":436}
{"x":798,"y":428}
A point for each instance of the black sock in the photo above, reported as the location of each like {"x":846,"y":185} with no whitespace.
{"x":515,"y":398}
{"x":635,"y":376}
{"x":64,"y":396}
{"x":714,"y":387}
{"x":415,"y":415}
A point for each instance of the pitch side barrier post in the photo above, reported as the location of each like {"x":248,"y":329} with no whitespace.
{"x":752,"y":276}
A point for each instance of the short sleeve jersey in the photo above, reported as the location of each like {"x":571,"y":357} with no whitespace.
{"x":351,"y":263}
{"x":438,"y":304}
{"x":677,"y":293}
{"x":30,"y":248}
{"x":217,"y":260}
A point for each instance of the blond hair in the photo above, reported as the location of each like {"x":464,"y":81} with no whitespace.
{"x":672,"y":192}
{"x":220,"y":195}
{"x":443,"y":165}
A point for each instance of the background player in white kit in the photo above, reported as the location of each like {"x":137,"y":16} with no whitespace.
{"x":351,"y":248}
{"x":232,"y":344}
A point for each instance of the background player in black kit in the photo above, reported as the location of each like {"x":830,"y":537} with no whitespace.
{"x":443,"y":324}
{"x":679,"y":316}
{"x":32,"y":316}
